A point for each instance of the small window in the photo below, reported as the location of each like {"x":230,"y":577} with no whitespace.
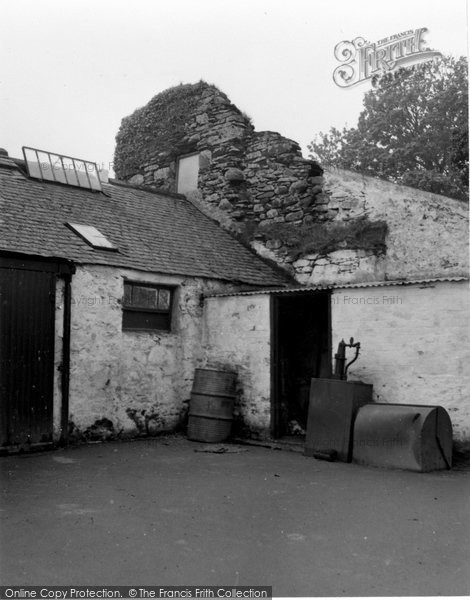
{"x":188,"y":171}
{"x":92,"y":236}
{"x":146,"y":307}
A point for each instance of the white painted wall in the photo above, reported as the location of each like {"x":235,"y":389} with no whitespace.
{"x":114,"y":372}
{"x":427,"y":234}
{"x":414,"y":338}
{"x":237,"y":336}
{"x":415,"y":344}
{"x":58,"y":360}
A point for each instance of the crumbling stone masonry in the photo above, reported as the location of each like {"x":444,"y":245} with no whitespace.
{"x":258,"y":185}
{"x":244,"y":176}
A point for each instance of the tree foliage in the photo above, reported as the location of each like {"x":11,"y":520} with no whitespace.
{"x":413,"y":130}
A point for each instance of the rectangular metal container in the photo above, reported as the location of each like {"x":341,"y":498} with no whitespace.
{"x":332,"y":410}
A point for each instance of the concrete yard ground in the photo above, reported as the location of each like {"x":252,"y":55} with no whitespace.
{"x":158,"y":512}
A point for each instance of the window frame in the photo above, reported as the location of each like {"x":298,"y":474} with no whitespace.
{"x":142,"y":310}
{"x":178,"y":161}
{"x":74,"y":227}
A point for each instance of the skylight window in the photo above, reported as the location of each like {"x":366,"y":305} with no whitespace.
{"x":62,"y":169}
{"x":92,"y":236}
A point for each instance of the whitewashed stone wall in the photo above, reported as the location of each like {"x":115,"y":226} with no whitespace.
{"x":415,"y":347}
{"x":414,"y":338}
{"x":237,"y":337}
{"x":131,"y":383}
{"x":58,"y":360}
{"x":427,"y":234}
{"x":415,"y":344}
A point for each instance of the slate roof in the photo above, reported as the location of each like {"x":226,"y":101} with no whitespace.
{"x":153,"y":231}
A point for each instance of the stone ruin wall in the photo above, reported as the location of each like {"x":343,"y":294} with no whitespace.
{"x":244,"y":176}
{"x":251,"y":181}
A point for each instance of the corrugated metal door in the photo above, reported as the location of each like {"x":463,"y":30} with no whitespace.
{"x":27,"y":319}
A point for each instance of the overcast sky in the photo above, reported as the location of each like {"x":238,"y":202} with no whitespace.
{"x":70,"y":70}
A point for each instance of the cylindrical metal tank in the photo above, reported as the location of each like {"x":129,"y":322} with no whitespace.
{"x":403,"y":436}
{"x":211,"y":406}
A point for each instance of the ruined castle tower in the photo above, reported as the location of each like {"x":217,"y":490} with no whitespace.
{"x":337,"y":226}
{"x":191,"y":139}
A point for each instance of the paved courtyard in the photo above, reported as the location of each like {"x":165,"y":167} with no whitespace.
{"x":163,"y":512}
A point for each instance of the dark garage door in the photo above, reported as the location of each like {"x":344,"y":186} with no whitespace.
{"x":27,"y":309}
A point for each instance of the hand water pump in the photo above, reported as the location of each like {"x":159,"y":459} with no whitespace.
{"x":340,"y":358}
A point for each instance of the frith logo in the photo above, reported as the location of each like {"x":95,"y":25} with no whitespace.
{"x":361,"y":60}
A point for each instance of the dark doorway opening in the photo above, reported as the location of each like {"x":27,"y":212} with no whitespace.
{"x":301,"y":349}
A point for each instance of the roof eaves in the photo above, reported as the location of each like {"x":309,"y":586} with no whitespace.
{"x":236,"y":280}
{"x":15,"y":254}
{"x":339,"y":286}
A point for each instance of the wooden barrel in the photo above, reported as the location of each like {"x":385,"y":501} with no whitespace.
{"x":211,"y":406}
